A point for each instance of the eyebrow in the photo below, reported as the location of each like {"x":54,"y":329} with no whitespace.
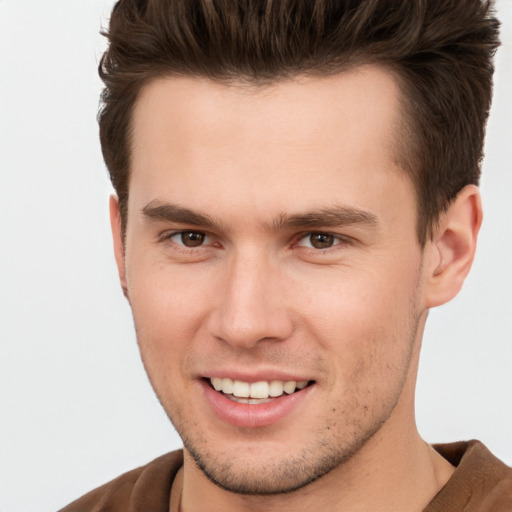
{"x":157,"y":211}
{"x":329,"y":217}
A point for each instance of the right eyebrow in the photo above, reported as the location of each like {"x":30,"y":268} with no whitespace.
{"x":167,"y":212}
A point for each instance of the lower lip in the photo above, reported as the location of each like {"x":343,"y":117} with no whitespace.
{"x":253,"y":415}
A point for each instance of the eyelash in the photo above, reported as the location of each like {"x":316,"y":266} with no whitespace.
{"x":339,"y":240}
{"x":168,"y":238}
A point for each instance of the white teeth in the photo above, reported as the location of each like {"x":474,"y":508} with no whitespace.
{"x":302,"y":384}
{"x":227,"y":386}
{"x":276,"y":388}
{"x":241,"y":389}
{"x":259,"y":390}
{"x":256,"y":390}
{"x":289,"y":387}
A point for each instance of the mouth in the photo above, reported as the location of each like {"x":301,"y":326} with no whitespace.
{"x":256,"y":404}
{"x":255,"y":393}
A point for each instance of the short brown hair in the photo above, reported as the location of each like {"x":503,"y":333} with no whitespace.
{"x":440,"y":51}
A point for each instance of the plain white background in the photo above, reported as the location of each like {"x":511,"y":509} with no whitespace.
{"x":76,"y":408}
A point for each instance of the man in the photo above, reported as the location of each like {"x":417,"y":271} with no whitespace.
{"x":296,"y":188}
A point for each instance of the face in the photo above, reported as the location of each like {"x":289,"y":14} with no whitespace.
{"x":271,"y":253}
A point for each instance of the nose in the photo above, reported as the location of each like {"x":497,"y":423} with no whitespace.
{"x":251,"y":304}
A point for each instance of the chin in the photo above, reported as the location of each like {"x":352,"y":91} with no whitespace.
{"x":272,"y":472}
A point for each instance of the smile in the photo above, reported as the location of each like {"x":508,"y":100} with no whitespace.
{"x":255,"y":392}
{"x":255,"y":404}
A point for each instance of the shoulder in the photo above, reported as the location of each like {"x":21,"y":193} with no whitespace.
{"x":481,"y":482}
{"x":145,"y":488}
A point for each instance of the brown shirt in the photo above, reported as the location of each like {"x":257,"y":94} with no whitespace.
{"x":480,"y":483}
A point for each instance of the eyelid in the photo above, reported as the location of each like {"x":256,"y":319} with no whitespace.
{"x":167,"y":236}
{"x":341,"y":240}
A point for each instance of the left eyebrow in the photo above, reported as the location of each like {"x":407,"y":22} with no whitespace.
{"x":333,"y":217}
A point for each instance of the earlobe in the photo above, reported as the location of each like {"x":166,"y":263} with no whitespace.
{"x":117,"y":238}
{"x":453,"y":247}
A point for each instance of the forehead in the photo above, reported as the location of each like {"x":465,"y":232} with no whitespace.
{"x":302,"y":138}
{"x":302,"y":110}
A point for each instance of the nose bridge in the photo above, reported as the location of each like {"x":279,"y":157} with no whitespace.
{"x":251,"y":306}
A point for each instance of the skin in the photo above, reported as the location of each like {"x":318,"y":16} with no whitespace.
{"x":256,"y":296}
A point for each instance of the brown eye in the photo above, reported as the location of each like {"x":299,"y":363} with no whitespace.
{"x":321,"y":240}
{"x":192,"y":238}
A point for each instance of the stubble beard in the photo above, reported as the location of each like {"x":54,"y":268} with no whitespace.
{"x":334,"y":446}
{"x":277,"y":478}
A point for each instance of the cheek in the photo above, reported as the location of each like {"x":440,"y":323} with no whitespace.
{"x":358,"y":301}
{"x":166,"y":297}
{"x":169,"y":309}
{"x":365,"y":322}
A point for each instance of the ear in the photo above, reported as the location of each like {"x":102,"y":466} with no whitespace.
{"x":117,"y":237}
{"x":453,"y":246}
